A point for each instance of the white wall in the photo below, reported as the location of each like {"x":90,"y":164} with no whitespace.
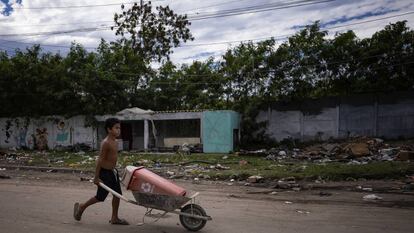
{"x":53,"y":130}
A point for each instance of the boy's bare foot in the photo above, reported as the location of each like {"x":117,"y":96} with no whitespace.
{"x":77,"y":212}
{"x":118,"y":221}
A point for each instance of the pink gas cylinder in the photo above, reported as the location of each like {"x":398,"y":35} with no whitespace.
{"x":143,"y":180}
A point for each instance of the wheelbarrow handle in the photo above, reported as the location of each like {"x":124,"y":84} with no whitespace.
{"x":116,"y":194}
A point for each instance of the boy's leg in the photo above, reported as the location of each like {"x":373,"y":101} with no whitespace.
{"x":79,"y":208}
{"x":90,"y":202}
{"x":115,"y":219}
{"x":115,"y":208}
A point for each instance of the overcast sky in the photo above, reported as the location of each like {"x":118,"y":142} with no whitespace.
{"x":23,"y":22}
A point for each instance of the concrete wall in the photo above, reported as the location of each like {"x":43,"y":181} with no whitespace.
{"x":45,"y":132}
{"x":217,"y":131}
{"x":388,"y":116}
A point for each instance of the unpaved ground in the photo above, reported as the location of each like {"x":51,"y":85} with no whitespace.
{"x":42,"y":202}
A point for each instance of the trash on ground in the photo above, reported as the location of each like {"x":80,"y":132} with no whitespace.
{"x":372,"y":197}
{"x":4,"y":177}
{"x":303,"y":211}
{"x":254,"y":179}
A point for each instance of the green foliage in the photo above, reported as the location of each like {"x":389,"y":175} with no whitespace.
{"x":246,"y":79}
{"x":152,"y":34}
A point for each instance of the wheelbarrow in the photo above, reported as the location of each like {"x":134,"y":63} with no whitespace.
{"x":154,"y":192}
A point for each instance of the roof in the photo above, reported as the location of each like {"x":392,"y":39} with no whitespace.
{"x":134,"y":111}
{"x":176,"y":111}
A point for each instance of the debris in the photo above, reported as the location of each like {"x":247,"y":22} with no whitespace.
{"x":273,"y":193}
{"x":358,"y":149}
{"x":196,"y":181}
{"x":221,"y":167}
{"x":254,"y":179}
{"x":367,"y":189}
{"x":233,"y":195}
{"x":287,"y":183}
{"x":289,"y":179}
{"x":4,"y":177}
{"x":232,"y":180}
{"x":243,"y":162}
{"x":177,"y":177}
{"x":303,"y":211}
{"x":296,"y":189}
{"x":408,"y":187}
{"x":288,"y":202}
{"x":282,"y":153}
{"x":404,"y":155}
{"x":225,"y":157}
{"x":372,"y":197}
{"x":185,"y":149}
{"x":86,"y":179}
{"x":2,"y":169}
{"x":170,"y":173}
{"x":324,"y":194}
{"x":388,"y":151}
{"x":351,"y":179}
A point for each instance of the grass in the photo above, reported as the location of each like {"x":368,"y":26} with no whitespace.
{"x":255,"y":165}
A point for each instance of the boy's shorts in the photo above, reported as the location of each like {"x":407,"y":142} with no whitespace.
{"x":111,"y":179}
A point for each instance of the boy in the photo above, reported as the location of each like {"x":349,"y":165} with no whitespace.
{"x":106,"y":173}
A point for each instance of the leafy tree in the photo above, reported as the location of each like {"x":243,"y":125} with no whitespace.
{"x":151,"y":34}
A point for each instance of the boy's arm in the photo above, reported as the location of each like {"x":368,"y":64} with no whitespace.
{"x":102,"y":154}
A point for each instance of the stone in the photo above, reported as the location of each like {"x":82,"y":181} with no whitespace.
{"x":358,"y":149}
{"x":282,"y":153}
{"x":405,"y":155}
{"x":243,"y":162}
{"x":372,"y":197}
{"x":254,"y":179}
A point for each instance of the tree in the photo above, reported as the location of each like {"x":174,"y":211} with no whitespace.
{"x":152,"y":34}
{"x":298,"y":63}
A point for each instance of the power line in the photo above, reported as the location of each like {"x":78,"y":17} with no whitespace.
{"x":59,"y":32}
{"x":61,"y":24}
{"x":209,"y":15}
{"x":214,"y":5}
{"x":249,"y":10}
{"x":188,"y":45}
{"x":108,"y":21}
{"x":79,"y":6}
{"x":281,"y":37}
{"x":291,"y":34}
{"x":107,"y":27}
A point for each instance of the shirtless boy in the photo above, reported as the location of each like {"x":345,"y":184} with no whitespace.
{"x":106,"y":173}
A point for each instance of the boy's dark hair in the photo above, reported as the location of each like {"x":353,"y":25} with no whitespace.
{"x":110,"y":122}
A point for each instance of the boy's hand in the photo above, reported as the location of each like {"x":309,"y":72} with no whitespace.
{"x":96,"y":181}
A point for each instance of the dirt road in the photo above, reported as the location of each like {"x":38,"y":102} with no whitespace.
{"x":43,"y":202}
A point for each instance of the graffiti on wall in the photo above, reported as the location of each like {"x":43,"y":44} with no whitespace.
{"x":8,"y":130}
{"x":41,"y":139}
{"x":21,"y":138}
{"x":62,"y":135}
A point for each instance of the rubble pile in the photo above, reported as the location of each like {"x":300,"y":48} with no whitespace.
{"x":355,"y":151}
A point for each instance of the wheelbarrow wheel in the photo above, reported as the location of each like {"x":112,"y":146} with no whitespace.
{"x":193,"y":224}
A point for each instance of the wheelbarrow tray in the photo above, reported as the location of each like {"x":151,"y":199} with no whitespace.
{"x":160,"y":201}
